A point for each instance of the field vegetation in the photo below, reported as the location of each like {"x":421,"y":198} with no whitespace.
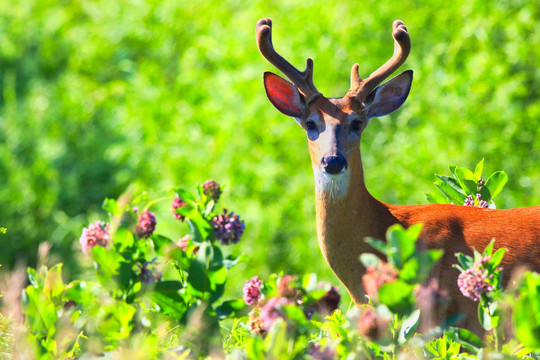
{"x":135,"y":100}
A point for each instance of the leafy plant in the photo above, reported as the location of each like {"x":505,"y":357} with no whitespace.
{"x":469,"y":188}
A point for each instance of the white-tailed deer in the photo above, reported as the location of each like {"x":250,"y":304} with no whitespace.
{"x":347,"y":213}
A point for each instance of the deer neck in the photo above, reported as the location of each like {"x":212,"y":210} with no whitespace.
{"x":344,"y":220}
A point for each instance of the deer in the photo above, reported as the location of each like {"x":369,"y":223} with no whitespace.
{"x":346,"y":212}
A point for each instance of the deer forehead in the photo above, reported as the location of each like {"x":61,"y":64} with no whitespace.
{"x":335,"y":110}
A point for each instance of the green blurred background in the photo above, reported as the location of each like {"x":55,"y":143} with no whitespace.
{"x":98,"y":95}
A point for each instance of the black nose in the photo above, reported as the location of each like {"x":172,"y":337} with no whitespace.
{"x":333,"y":164}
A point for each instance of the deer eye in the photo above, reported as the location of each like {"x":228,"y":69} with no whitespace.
{"x":356,"y":125}
{"x":310,"y":125}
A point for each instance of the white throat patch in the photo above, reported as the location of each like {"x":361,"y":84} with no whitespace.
{"x":333,"y":186}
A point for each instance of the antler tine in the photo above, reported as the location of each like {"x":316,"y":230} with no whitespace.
{"x":402,"y":47}
{"x":303,"y":80}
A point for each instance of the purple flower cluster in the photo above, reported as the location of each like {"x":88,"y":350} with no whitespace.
{"x":473,"y":282}
{"x":470,"y":201}
{"x":95,"y":234}
{"x":178,"y":203}
{"x":329,"y":302}
{"x":212,"y":190}
{"x":252,"y":291}
{"x":147,"y":275}
{"x":146,"y":225}
{"x":228,"y":227}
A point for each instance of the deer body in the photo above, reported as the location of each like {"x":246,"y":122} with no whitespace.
{"x":345,"y":210}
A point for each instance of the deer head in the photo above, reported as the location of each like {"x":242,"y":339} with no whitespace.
{"x":334,"y":125}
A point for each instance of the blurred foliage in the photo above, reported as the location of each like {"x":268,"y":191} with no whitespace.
{"x":98,"y":95}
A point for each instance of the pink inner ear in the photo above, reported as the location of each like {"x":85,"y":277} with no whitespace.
{"x":283,"y":95}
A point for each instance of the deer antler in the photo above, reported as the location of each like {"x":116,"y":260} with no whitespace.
{"x":303,"y":80}
{"x":360,"y":89}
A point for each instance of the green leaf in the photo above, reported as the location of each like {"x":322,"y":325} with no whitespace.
{"x":54,"y":285}
{"x":526,"y":312}
{"x":397,"y":296}
{"x":485,"y":194}
{"x":488,"y":251}
{"x":207,"y":274}
{"x":497,"y":257}
{"x":369,"y":259}
{"x":487,"y":321}
{"x":230,"y":308}
{"x":427,"y":260}
{"x":465,"y":260}
{"x":200,"y":229}
{"x":161,"y":243}
{"x":408,"y":326}
{"x":436,"y":198}
{"x":107,"y":260}
{"x":466,"y":338}
{"x":231,"y":261}
{"x":379,"y":245}
{"x":33,"y":277}
{"x":185,"y":195}
{"x":80,"y":292}
{"x":402,"y":243}
{"x":255,"y":348}
{"x":417,"y":269}
{"x":166,"y":295}
{"x":478,"y":170}
{"x":495,"y":183}
{"x":111,"y":206}
{"x":123,"y":238}
{"x":40,"y":312}
{"x":117,"y":323}
{"x":466,"y":180}
{"x":295,"y":315}
{"x":451,"y":189}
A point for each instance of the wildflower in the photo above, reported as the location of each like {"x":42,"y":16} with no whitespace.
{"x":329,"y":302}
{"x":271,"y":311}
{"x":147,"y":275}
{"x":146,"y":225}
{"x":286,"y":288}
{"x":255,"y":324}
{"x":95,"y":234}
{"x":372,"y":325}
{"x":377,"y":276}
{"x":316,"y":352}
{"x":473,"y":282}
{"x":252,"y":291}
{"x":228,"y":227}
{"x":212,"y":190}
{"x":469,"y":201}
{"x":184,"y":242}
{"x":178,"y":203}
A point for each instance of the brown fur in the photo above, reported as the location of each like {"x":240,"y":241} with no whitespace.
{"x":343,"y":224}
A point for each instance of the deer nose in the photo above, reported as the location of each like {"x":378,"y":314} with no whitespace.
{"x":333,"y":164}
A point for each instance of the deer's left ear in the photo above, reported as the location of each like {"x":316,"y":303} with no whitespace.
{"x":389,"y":96}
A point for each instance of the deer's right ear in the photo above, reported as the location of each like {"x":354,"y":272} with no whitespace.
{"x":283,"y":95}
